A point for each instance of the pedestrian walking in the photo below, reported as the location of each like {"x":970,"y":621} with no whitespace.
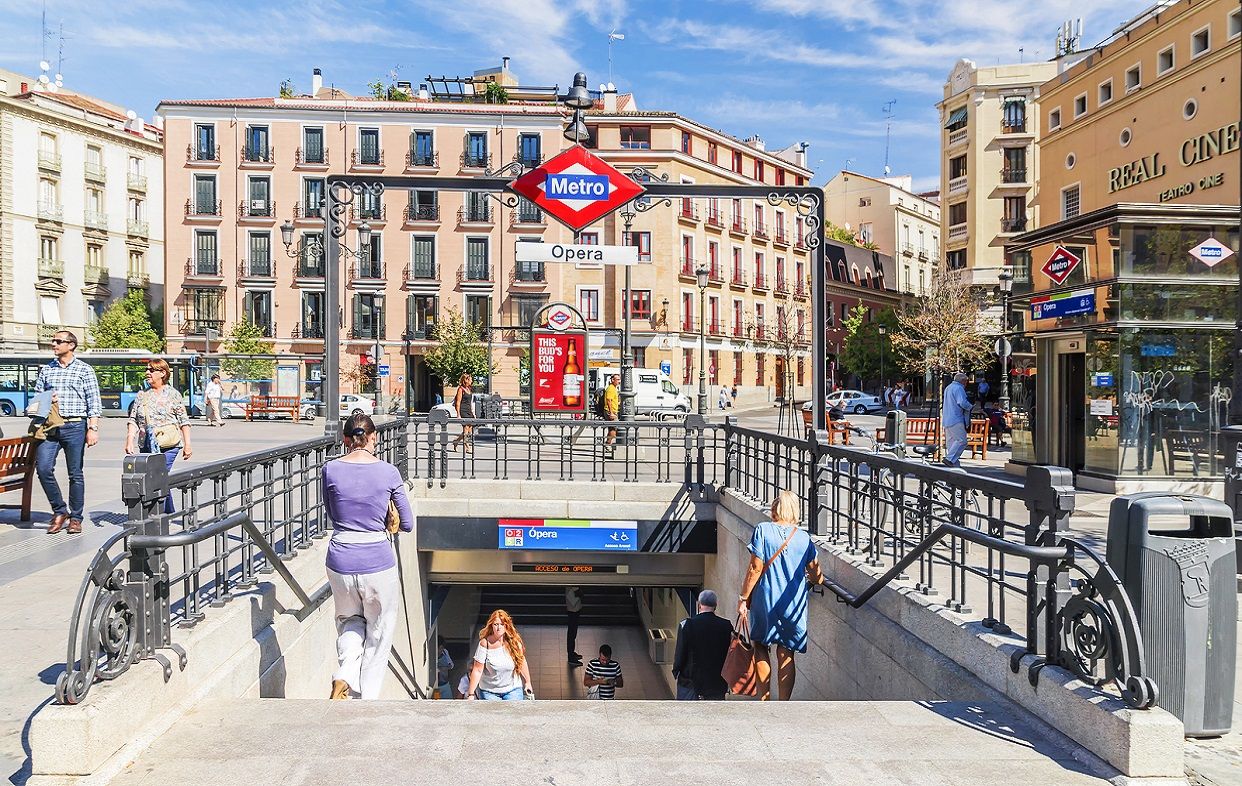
{"x":463,"y":405}
{"x":361,"y":565}
{"x":706,"y":638}
{"x":75,"y":396}
{"x":158,"y":422}
{"x":723,"y":401}
{"x":603,"y":675}
{"x":982,"y":390}
{"x":773,"y":599}
{"x":573,"y":609}
{"x":733,"y":396}
{"x":955,"y":418}
{"x":500,"y":671}
{"x":444,"y":668}
{"x":681,"y":673}
{"x":612,"y":410}
{"x":213,"y":395}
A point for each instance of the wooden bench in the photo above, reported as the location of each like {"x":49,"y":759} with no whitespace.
{"x":271,"y":405}
{"x":17,"y":470}
{"x":837,"y":429}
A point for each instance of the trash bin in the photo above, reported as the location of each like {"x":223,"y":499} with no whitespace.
{"x":1174,"y":554}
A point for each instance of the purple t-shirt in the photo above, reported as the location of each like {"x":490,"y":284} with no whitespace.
{"x":357,"y":497}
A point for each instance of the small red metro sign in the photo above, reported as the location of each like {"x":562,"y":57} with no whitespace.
{"x":577,"y":187}
{"x":1060,"y":265}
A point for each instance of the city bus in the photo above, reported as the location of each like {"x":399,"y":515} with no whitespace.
{"x":120,"y":373}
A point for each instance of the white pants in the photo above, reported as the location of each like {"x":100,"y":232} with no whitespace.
{"x":367,"y":605}
{"x":955,"y":436}
{"x":213,"y":412}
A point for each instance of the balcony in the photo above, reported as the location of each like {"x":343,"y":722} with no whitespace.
{"x":761,"y":281}
{"x":48,"y":212}
{"x":802,"y":290}
{"x":907,"y":249}
{"x":49,"y":160}
{"x":688,"y":211}
{"x":375,"y":214}
{"x":737,"y":226}
{"x":715,"y":218}
{"x":307,"y":213}
{"x":520,"y":276}
{"x":95,"y":274}
{"x":202,"y":268}
{"x":422,"y":160}
{"x":202,"y":155}
{"x":687,"y":268}
{"x":47,"y":333}
{"x":51,"y":268}
{"x":782,"y":286}
{"x":95,"y":172}
{"x":738,"y":279}
{"x":256,"y":268}
{"x":93,"y":219}
{"x":761,"y":230}
{"x":421,"y":275}
{"x":959,"y":185}
{"x":136,"y":182}
{"x":1012,"y":225}
{"x":371,"y":159}
{"x":367,"y":274}
{"x":1013,"y":125}
{"x":256,"y":208}
{"x":715,"y":328}
{"x":715,"y":274}
{"x":1013,"y":175}
{"x":957,"y":137}
{"x":688,"y":325}
{"x":307,"y":330}
{"x":923,"y":254}
{"x":528,"y":217}
{"x":195,"y":208}
{"x":480,"y":213}
{"x":367,"y":332}
{"x":475,"y":274}
{"x":739,"y":330}
{"x":313,"y":159}
{"x":760,"y":331}
{"x":529,"y":162}
{"x":958,"y":232}
{"x":137,"y":280}
{"x":781,"y":238}
{"x":800,"y":242}
{"x":135,"y":228}
{"x":309,"y":266}
{"x":199,"y":327}
{"x":471,"y":160}
{"x":422,"y":213}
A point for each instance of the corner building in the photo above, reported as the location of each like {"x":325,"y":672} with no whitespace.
{"x":1129,"y":375}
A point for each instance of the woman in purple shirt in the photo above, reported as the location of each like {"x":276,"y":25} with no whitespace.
{"x":362,"y":568}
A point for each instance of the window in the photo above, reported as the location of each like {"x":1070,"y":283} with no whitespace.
{"x":529,"y":271}
{"x":260,"y":189}
{"x":476,"y":149}
{"x":137,"y":209}
{"x":368,"y":316}
{"x":635,"y":137}
{"x":1014,"y":120}
{"x":713,"y":367}
{"x":49,"y":310}
{"x":1105,"y":93}
{"x":208,"y":307}
{"x":423,"y":206}
{"x":1069,"y":202}
{"x":1080,"y":106}
{"x":49,"y":196}
{"x":476,"y":259}
{"x":49,"y":247}
{"x":205,"y":142}
{"x":137,"y":263}
{"x":423,"y":257}
{"x":312,"y":195}
{"x":530,"y":150}
{"x":760,"y":375}
{"x":954,"y":260}
{"x":260,"y":254}
{"x":94,"y":161}
{"x":588,"y":303}
{"x":526,"y":307}
{"x":687,"y":363}
{"x":372,"y":263}
{"x":256,"y":148}
{"x":1235,"y":24}
{"x":760,"y":229}
{"x":1164,"y":61}
{"x":738,"y":319}
{"x":94,"y":256}
{"x":686,"y":144}
{"x":737,"y":266}
{"x":310,"y":264}
{"x":864,"y":232}
{"x":205,"y":195}
{"x":257,"y":310}
{"x":370,"y":206}
{"x":737,"y":161}
{"x":312,"y":146}
{"x":760,"y":313}
{"x":687,"y":312}
{"x":1014,"y":170}
{"x":801,"y":370}
{"x":957,"y":119}
{"x":957,"y":168}
{"x":47,"y":144}
{"x":640,"y":357}
{"x":94,"y":310}
{"x":1014,"y":219}
{"x":478,"y":310}
{"x":737,"y":368}
{"x":1054,"y":119}
{"x":713,"y":152}
{"x":640,"y":303}
{"x":420,"y":315}
{"x":758,"y":170}
{"x":368,"y":146}
{"x":1200,"y":41}
{"x":760,"y":266}
{"x":94,"y":201}
{"x":957,"y":213}
{"x":780,"y":177}
{"x":422,"y":149}
{"x":713,"y":314}
{"x":206,"y":260}
{"x":1134,"y":77}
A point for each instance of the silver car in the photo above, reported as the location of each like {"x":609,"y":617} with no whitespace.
{"x":855,"y":401}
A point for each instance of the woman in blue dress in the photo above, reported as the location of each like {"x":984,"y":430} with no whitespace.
{"x":774,"y":599}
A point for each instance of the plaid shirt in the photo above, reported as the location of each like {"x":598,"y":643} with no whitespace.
{"x":77,"y":389}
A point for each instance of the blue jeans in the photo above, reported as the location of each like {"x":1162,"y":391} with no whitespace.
{"x":72,"y":438}
{"x":170,"y":456}
{"x":686,"y":692}
{"x":513,"y":695}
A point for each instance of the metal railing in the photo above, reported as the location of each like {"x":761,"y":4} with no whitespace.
{"x":1013,"y":174}
{"x":421,"y":212}
{"x":195,"y":207}
{"x":303,"y":158}
{"x":208,"y":267}
{"x":420,"y":271}
{"x":358,"y":158}
{"x":989,"y":548}
{"x":480,"y":213}
{"x":258,"y":155}
{"x":476,"y":160}
{"x":256,"y":268}
{"x":236,"y":521}
{"x":205,"y":154}
{"x":414,"y":158}
{"x":136,"y":182}
{"x":256,"y":208}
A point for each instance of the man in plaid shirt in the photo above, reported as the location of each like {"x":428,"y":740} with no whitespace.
{"x":76,"y":391}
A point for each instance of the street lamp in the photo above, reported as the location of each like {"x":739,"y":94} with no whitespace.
{"x":578,"y":99}
{"x":627,"y":354}
{"x":701,"y":273}
{"x":883,"y":331}
{"x":1006,"y":286}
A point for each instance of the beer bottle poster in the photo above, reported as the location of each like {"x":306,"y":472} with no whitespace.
{"x":558,"y":372}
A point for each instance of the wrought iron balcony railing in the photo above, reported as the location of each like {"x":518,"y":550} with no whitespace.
{"x":308,"y":330}
{"x":424,"y":159}
{"x":781,"y":237}
{"x":738,"y":279}
{"x":202,"y":267}
{"x":475,"y":214}
{"x":1013,"y":224}
{"x":714,"y":218}
{"x":51,"y":268}
{"x":256,"y":208}
{"x":801,"y":290}
{"x":368,"y":332}
{"x":782,"y":286}
{"x":739,"y":330}
{"x":195,"y":207}
{"x":761,"y":281}
{"x":738,"y":225}
{"x":761,"y":230}
{"x":530,"y":162}
{"x":136,"y":182}
{"x":302,"y":157}
{"x":527,"y":216}
{"x":474,"y":273}
{"x":1013,"y":174}
{"x":367,"y":271}
{"x":715,"y":274}
{"x":258,"y":155}
{"x":198,"y":327}
{"x":688,"y":325}
{"x":310,"y":266}
{"x":372,"y":213}
{"x":358,"y":158}
{"x":523,"y":274}
{"x":476,"y":160}
{"x":687,"y":267}
{"x":688,"y":210}
{"x":206,"y":155}
{"x":256,"y":268}
{"x":300,"y":212}
{"x":715,"y":328}
{"x":420,"y":272}
{"x":1013,"y":125}
{"x":421,"y":212}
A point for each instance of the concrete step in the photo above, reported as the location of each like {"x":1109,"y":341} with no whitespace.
{"x":567,"y":743}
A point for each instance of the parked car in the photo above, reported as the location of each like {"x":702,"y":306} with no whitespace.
{"x":855,"y":401}
{"x":834,"y":412}
{"x":353,"y":404}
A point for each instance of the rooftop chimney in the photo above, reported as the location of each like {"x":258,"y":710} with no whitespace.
{"x":316,"y":82}
{"x":423,"y":94}
{"x":610,"y":98}
{"x":504,"y":64}
{"x":755,"y":141}
{"x":801,"y":154}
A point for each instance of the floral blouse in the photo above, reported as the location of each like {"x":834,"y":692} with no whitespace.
{"x":155,"y":408}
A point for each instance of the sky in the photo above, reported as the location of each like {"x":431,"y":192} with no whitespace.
{"x":815,"y":71}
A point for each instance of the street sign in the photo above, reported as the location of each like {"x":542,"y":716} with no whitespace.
{"x":1065,"y":304}
{"x":1002,"y":346}
{"x":666,"y":367}
{"x":556,"y":371}
{"x":559,"y":316}
{"x":577,"y":187}
{"x":1060,"y":265}
{"x":567,"y":535}
{"x":601,"y":354}
{"x":384,"y":371}
{"x":566,"y":252}
{"x":1211,"y":252}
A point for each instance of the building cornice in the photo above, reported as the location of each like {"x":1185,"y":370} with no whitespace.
{"x":712,"y":134}
{"x":112,"y":135}
{"x":1128,"y":212}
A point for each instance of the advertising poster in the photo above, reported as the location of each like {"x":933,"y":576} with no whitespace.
{"x":558,"y":371}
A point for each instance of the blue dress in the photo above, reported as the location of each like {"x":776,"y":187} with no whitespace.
{"x":778,"y":602}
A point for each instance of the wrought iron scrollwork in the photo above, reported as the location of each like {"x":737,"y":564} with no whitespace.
{"x":641,"y":174}
{"x":514,"y":169}
{"x":807,"y":206}
{"x":343,"y":194}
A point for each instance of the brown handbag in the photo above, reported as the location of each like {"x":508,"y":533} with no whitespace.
{"x":740,"y":670}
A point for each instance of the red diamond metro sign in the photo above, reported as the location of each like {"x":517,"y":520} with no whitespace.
{"x":1060,"y":265}
{"x":577,"y":187}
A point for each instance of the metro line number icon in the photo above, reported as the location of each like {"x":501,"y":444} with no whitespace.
{"x":577,"y":187}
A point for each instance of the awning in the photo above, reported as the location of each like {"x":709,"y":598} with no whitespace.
{"x":956,"y":116}
{"x":1015,"y":99}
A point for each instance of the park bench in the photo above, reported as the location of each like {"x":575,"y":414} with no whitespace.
{"x":272,"y":405}
{"x":977,"y":437}
{"x":17,"y":470}
{"x":838,"y":430}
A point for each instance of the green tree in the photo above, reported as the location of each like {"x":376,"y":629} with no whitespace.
{"x":940,"y":334}
{"x":246,"y":338}
{"x":861,"y":353}
{"x":127,"y":324}
{"x":495,"y":93}
{"x":459,"y":349}
{"x":286,"y":88}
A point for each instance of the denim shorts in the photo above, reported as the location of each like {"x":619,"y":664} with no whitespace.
{"x":513,"y":695}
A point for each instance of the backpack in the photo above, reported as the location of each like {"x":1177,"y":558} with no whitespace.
{"x":599,"y":404}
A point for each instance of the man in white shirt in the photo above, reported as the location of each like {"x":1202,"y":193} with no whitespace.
{"x":212,"y":394}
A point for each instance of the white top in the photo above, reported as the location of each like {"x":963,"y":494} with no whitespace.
{"x":499,"y":674}
{"x":212,"y":391}
{"x":573,"y":599}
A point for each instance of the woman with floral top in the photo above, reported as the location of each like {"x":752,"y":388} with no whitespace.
{"x":160,"y":405}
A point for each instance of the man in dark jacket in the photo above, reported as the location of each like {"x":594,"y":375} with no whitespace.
{"x":702,"y":655}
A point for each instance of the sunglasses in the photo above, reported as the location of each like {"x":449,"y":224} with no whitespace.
{"x":155,"y":371}
{"x":61,"y":341}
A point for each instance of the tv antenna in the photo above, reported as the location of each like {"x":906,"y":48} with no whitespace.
{"x":888,"y":131}
{"x":613,"y":35}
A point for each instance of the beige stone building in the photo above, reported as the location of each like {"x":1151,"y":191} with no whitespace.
{"x":250,"y":164}
{"x":886,"y":212}
{"x":81,"y":210}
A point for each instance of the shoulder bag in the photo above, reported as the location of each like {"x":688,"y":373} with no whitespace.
{"x":167,"y":436}
{"x":739,"y":671}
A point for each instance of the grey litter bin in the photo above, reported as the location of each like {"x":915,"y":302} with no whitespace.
{"x":1181,"y":579}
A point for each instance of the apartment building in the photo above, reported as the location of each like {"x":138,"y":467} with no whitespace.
{"x":249,"y":164}
{"x":1131,"y":340}
{"x":886,"y":213}
{"x":81,"y":210}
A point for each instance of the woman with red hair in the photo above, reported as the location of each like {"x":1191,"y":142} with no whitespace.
{"x":500,"y":671}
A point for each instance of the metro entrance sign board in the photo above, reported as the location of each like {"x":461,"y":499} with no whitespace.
{"x":1060,"y":265}
{"x":577,"y":187}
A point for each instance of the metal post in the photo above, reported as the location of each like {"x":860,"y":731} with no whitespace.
{"x":883,"y":332}
{"x":379,"y":385}
{"x":408,"y":369}
{"x":819,"y":319}
{"x":627,"y":354}
{"x":1006,"y":349}
{"x":332,"y":317}
{"x":702,"y":353}
{"x":1231,"y":437}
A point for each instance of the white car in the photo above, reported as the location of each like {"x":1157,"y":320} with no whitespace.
{"x":353,"y":404}
{"x":855,"y":401}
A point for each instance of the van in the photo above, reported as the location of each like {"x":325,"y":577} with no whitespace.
{"x":654,"y":393}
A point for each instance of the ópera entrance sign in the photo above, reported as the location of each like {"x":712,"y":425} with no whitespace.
{"x":577,"y":187}
{"x":565,"y":252}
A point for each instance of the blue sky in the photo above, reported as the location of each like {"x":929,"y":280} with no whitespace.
{"x":818,"y":71}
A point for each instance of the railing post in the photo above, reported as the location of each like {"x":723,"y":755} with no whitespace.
{"x":437,"y":426}
{"x":817,"y":482}
{"x":696,"y":423}
{"x":1052,"y":502}
{"x":730,"y":423}
{"x":144,"y":486}
{"x":403,"y":446}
